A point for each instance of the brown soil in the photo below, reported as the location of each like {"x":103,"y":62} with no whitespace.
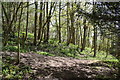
{"x":63,"y":68}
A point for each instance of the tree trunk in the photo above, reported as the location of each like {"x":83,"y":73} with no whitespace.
{"x":95,"y":32}
{"x":47,"y":26}
{"x":35,"y":28}
{"x":9,"y":16}
{"x":27,"y":20}
{"x":72,"y":31}
{"x":77,"y":33}
{"x":56,"y":24}
{"x":84,"y":36}
{"x":40,"y":21}
{"x":68,"y":27}
{"x":107,"y":48}
{"x":81,"y":37}
{"x":95,"y":40}
{"x":46,"y":35}
{"x":88,"y":38}
{"x":18,"y":56}
{"x":59,"y":29}
{"x":43,"y":29}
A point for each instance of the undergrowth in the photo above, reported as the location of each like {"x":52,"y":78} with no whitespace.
{"x":14,"y":72}
{"x":54,"y":48}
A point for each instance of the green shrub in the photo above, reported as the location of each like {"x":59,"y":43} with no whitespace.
{"x":14,"y":49}
{"x":10,"y":71}
{"x":70,"y":55}
{"x":59,"y":49}
{"x":72,"y":46}
{"x":45,"y":53}
{"x":10,"y":48}
{"x":11,"y":43}
{"x":87,"y":51}
{"x":23,"y":50}
{"x":53,"y":41}
{"x":64,"y":49}
{"x":30,"y":35}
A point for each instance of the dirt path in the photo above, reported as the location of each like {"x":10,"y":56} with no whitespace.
{"x":63,"y":68}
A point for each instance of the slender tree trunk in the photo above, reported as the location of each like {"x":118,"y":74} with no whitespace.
{"x":95,"y":33}
{"x":77,"y":33}
{"x":88,"y":38}
{"x":3,"y":25}
{"x":52,"y":6}
{"x":81,"y":38}
{"x":40,"y":21}
{"x":27,"y":20}
{"x":47,"y":22}
{"x":68,"y":27}
{"x":107,"y":48}
{"x":47,"y":26}
{"x":103,"y":41}
{"x":6,"y":24}
{"x":95,"y":40}
{"x":9,"y":20}
{"x":18,"y":56}
{"x":100,"y":43}
{"x":56,"y":24}
{"x":43,"y":28}
{"x":59,"y":29}
{"x":84,"y":36}
{"x":15,"y":29}
{"x":35,"y":28}
{"x":72,"y":31}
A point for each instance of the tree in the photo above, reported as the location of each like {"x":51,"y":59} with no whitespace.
{"x":18,"y":56}
{"x":72,"y":28}
{"x":95,"y":40}
{"x":40,"y":21}
{"x":9,"y":18}
{"x":27,"y":20}
{"x":47,"y":27}
{"x":59,"y":27}
{"x":35,"y":28}
{"x":84,"y":36}
{"x":68,"y":27}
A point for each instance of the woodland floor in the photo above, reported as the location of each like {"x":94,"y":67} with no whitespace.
{"x":63,"y":68}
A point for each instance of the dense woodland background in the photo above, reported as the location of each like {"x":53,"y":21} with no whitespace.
{"x":82,"y":30}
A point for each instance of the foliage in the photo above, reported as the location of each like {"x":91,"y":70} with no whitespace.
{"x":30,"y":35}
{"x":12,"y":42}
{"x":112,"y":63}
{"x":11,"y":71}
{"x":53,"y":41}
{"x":87,"y":51}
{"x":14,"y":49}
{"x":73,"y":46}
{"x":59,"y":49}
{"x":53,"y":48}
{"x":89,"y":25}
{"x":45,"y":53}
{"x":10,"y":48}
